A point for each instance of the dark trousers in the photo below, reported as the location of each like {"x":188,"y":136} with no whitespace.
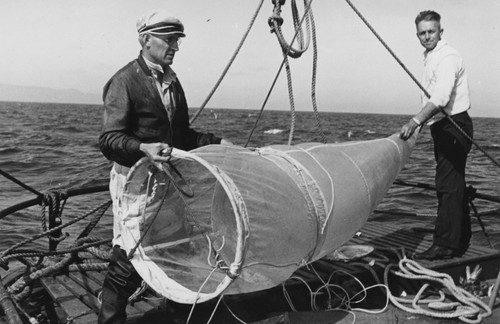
{"x":120,"y":283}
{"x":453,"y":226}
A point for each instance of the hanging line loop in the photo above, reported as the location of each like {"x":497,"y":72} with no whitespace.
{"x":275,"y":21}
{"x":287,"y":50}
{"x":271,"y":88}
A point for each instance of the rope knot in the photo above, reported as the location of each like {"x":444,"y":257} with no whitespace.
{"x":54,"y":201}
{"x":234,"y":271}
{"x":275,"y":21}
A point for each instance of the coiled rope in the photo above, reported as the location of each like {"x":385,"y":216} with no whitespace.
{"x":467,"y":308}
{"x":456,"y":303}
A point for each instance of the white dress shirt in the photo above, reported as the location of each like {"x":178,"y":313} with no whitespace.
{"x":445,"y":79}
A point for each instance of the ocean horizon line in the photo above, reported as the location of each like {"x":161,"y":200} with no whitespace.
{"x":238,"y":108}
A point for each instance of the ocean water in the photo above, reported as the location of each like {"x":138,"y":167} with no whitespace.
{"x":54,"y":146}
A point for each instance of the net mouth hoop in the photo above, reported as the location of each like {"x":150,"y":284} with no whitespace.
{"x":167,"y":286}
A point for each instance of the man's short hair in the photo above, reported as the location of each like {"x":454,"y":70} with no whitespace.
{"x":427,"y":15}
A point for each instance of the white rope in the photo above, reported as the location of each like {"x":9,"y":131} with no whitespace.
{"x":198,"y":294}
{"x":468,"y":308}
{"x":338,"y":291}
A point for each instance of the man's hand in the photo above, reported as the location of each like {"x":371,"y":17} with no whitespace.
{"x":158,"y":153}
{"x":408,"y":129}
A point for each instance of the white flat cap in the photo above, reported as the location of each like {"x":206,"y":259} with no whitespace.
{"x":160,"y":22}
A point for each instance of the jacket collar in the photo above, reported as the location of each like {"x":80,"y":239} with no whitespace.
{"x":146,"y":66}
{"x":143,"y":65}
{"x":152,"y":87}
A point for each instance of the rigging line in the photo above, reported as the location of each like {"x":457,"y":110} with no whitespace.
{"x":275,"y":22}
{"x":290,"y":98}
{"x":306,"y":11}
{"x":104,"y":207}
{"x":311,"y":29}
{"x":420,"y":85}
{"x":229,"y":64}
{"x":313,"y":80}
{"x":19,"y":182}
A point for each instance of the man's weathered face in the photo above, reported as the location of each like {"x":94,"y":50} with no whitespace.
{"x":161,"y":50}
{"x":429,"y":33}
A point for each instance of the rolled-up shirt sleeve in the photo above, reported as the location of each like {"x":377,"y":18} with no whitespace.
{"x":446,"y":78}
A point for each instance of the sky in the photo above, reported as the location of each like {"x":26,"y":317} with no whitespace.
{"x":80,"y":44}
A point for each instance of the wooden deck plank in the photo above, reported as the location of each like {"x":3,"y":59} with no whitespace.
{"x":78,"y":312}
{"x":86,"y":282}
{"x":55,"y":289}
{"x":140,"y":305}
{"x":97,"y":276}
{"x":73,"y":307}
{"x":88,"y":298}
{"x":77,"y":295}
{"x":70,"y":284}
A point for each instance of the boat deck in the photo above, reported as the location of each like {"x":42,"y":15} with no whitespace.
{"x":76,"y":294}
{"x":76,"y":298}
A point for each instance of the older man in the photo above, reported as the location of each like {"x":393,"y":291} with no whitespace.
{"x":145,"y":114}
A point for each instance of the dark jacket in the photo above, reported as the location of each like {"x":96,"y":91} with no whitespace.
{"x":134,"y":114}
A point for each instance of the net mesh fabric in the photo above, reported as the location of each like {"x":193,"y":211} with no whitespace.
{"x":233,"y":220}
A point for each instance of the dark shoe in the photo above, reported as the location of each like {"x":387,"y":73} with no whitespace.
{"x":436,"y":252}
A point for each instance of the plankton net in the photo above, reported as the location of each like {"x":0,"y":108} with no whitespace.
{"x":227,"y":219}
